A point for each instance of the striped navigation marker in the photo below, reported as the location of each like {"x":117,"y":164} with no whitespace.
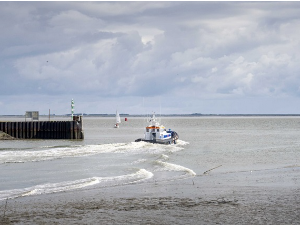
{"x":72,"y":108}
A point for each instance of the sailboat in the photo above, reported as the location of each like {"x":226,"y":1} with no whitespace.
{"x":118,"y":119}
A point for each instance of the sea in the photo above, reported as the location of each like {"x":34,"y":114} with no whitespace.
{"x":110,"y":157}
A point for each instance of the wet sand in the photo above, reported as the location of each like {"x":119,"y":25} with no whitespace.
{"x":267,"y":196}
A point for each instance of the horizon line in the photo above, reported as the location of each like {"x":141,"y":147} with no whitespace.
{"x":166,"y":114}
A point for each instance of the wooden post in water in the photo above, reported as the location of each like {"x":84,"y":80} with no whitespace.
{"x":9,"y":128}
{"x":31,"y":129}
{"x":34,"y":129}
{"x":17,"y":129}
{"x":71,"y":129}
{"x":23,"y":130}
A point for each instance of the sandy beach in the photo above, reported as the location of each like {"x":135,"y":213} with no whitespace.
{"x":249,"y":197}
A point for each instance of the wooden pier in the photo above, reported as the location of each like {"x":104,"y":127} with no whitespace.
{"x":44,"y":129}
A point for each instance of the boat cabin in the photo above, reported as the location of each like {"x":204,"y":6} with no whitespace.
{"x":156,"y":131}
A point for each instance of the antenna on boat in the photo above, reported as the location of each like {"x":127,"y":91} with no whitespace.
{"x":146,"y":116}
{"x":159,"y":110}
{"x":159,"y":107}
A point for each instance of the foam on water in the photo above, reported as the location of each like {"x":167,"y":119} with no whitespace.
{"x":139,"y":176}
{"x":164,"y":157}
{"x":136,"y":155}
{"x":165,"y":166}
{"x":52,"y":152}
{"x":257,"y":143}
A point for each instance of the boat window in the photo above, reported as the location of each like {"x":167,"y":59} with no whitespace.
{"x":157,"y":130}
{"x":147,"y":130}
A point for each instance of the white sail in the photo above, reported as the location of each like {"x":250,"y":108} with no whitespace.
{"x":118,"y":118}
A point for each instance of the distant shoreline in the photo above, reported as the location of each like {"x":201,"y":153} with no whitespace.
{"x":163,"y":115}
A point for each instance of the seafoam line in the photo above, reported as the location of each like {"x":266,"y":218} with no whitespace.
{"x":175,"y":167}
{"x":139,"y":176}
{"x":52,"y":153}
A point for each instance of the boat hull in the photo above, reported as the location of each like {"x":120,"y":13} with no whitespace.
{"x":158,"y":141}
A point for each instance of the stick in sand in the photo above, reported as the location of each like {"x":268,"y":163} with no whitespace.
{"x":211,"y":169}
{"x":5,"y":208}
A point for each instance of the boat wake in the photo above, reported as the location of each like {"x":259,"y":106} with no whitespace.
{"x":139,"y":176}
{"x":165,"y":166}
{"x":174,"y":167}
{"x":117,"y":159}
{"x":59,"y":152}
{"x":160,"y":165}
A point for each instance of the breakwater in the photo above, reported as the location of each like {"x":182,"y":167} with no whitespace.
{"x":44,"y":129}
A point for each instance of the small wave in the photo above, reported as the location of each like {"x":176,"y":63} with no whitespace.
{"x":139,"y":176}
{"x":164,"y":157}
{"x":138,"y":161}
{"x":181,"y":142}
{"x":175,"y":167}
{"x":52,"y":152}
{"x":60,"y":146}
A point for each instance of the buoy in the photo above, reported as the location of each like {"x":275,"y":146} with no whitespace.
{"x":125,"y":119}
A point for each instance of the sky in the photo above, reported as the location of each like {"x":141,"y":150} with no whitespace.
{"x":142,"y":57}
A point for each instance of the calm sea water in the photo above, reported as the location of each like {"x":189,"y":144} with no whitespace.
{"x":109,"y":157}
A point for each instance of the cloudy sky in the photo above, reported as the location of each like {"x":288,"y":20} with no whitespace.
{"x":139,"y":57}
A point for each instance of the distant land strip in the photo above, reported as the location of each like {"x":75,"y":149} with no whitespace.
{"x":158,"y":115}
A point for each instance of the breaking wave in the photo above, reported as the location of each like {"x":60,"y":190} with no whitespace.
{"x":58,"y":152}
{"x":48,"y":188}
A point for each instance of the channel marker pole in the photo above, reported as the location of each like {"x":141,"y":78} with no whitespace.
{"x":72,"y":108}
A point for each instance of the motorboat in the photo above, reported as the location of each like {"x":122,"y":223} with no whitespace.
{"x":156,"y":133}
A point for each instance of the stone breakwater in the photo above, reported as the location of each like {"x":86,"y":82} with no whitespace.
{"x":5,"y":136}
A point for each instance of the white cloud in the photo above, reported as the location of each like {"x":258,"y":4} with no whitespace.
{"x":175,"y":50}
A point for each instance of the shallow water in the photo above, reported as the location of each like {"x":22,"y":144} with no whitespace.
{"x":109,"y":157}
